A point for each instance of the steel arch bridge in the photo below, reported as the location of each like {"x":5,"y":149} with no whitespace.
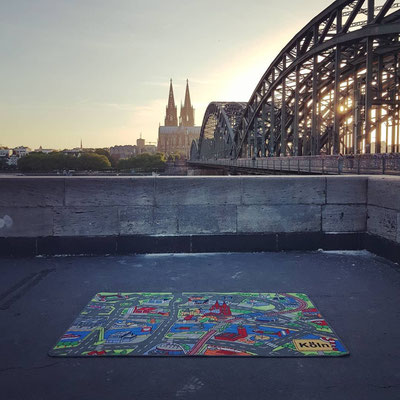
{"x":333,"y":89}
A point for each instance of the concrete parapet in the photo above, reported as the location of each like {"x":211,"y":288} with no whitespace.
{"x":136,"y":220}
{"x":197,"y":190}
{"x":384,"y":207}
{"x":344,"y":218}
{"x":32,"y":192}
{"x":86,"y":221}
{"x":346,"y":189}
{"x":26,"y":221}
{"x":276,"y":190}
{"x":106,"y":191}
{"x":182,"y":206}
{"x":383,"y":222}
{"x":207,"y":220}
{"x":384,"y":192}
{"x":279,"y":219}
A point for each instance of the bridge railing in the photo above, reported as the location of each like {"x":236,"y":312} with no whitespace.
{"x":370,"y":164}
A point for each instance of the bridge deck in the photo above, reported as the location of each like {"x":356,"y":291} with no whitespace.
{"x":376,"y":164}
{"x":358,"y":294}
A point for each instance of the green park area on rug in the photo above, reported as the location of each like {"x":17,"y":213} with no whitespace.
{"x":200,"y":324}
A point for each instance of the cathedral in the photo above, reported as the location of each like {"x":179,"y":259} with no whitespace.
{"x":177,"y":136}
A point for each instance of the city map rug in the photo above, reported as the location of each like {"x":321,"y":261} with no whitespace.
{"x":200,"y":324}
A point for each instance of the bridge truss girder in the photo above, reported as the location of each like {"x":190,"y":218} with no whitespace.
{"x":217,"y":138}
{"x":333,"y":89}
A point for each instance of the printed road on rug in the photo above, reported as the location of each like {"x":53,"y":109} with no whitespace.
{"x":200,"y":324}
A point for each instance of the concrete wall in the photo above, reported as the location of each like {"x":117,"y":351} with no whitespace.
{"x":112,"y":206}
{"x":384,"y":207}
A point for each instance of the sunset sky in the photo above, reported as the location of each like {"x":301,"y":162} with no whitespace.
{"x":99,"y":69}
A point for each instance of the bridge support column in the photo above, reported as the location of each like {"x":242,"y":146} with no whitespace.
{"x":356,"y":115}
{"x":368,"y":94}
{"x":336,"y":102}
{"x":283,"y":117}
{"x":272,"y":129}
{"x":249,"y":144}
{"x":255,"y":142}
{"x":396,"y":130}
{"x":296,"y":114}
{"x":264,"y":129}
{"x":314,"y":122}
{"x":371,"y":10}
{"x":378,"y":115}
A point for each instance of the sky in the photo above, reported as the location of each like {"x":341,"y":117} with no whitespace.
{"x":99,"y":70}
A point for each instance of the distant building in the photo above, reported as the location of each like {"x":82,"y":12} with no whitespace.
{"x":174,"y":138}
{"x":45,"y":151}
{"x":140,"y":143}
{"x":150,"y":149}
{"x":8,"y":157}
{"x":77,"y":151}
{"x":5,"y":153}
{"x":123,"y":152}
{"x":128,"y":151}
{"x":21,"y":151}
{"x":13,"y":160}
{"x":145,"y":148}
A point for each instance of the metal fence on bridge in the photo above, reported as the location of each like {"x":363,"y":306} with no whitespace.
{"x":369,"y":164}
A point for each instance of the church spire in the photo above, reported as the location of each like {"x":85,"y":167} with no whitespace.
{"x":171,"y":117}
{"x":187,"y":111}
{"x":187,"y":96}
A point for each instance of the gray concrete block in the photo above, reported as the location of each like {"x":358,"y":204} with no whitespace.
{"x":148,"y":220}
{"x":383,"y":222}
{"x":384,"y":192}
{"x":344,"y":218}
{"x":274,"y":190}
{"x":206,"y":219}
{"x":26,"y":222}
{"x":136,"y":220}
{"x":197,"y":190}
{"x":279,"y":219}
{"x":109,"y":192}
{"x":31,"y":192}
{"x":347,"y":189}
{"x":165,"y":220}
{"x":398,"y":228}
{"x":86,"y":221}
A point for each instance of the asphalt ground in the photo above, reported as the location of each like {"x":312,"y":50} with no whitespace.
{"x":357,"y":292}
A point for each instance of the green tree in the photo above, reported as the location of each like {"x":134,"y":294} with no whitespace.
{"x":58,"y":161}
{"x":144,"y":163}
{"x":103,"y":152}
{"x":93,"y":161}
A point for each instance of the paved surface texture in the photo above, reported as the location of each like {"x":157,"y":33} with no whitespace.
{"x":357,"y":293}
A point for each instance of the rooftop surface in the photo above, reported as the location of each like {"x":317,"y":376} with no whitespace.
{"x":357,"y":292}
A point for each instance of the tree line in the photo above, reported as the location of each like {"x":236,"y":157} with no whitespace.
{"x":143,"y":163}
{"x":100,"y":160}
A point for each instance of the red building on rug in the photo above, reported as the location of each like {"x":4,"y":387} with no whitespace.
{"x":233,"y":337}
{"x":219,"y":311}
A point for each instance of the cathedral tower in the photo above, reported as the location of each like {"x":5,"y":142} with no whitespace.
{"x":171,"y":117}
{"x":176,"y":136}
{"x":187,"y":111}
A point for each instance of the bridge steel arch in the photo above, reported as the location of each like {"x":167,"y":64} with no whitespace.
{"x":217,"y":136}
{"x":333,"y":89}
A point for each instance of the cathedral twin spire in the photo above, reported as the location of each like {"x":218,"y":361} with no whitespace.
{"x":171,"y":117}
{"x":187,"y":111}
